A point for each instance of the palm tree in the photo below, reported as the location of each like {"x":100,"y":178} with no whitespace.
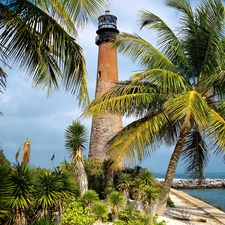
{"x":179,"y":91}
{"x":40,"y":38}
{"x":76,"y":138}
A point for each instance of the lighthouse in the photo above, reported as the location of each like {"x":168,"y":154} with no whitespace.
{"x":105,"y":127}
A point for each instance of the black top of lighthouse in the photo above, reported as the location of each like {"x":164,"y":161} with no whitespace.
{"x":107,"y":29}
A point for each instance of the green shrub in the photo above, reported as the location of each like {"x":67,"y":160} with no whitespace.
{"x":170,"y":203}
{"x":44,"y":222}
{"x":74,"y":214}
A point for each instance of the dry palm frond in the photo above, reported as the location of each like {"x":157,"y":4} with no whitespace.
{"x":17,"y":154}
{"x":26,"y":152}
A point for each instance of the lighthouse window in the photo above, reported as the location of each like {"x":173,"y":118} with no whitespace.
{"x":99,"y":74}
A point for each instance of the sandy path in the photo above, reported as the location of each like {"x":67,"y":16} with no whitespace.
{"x":185,"y":213}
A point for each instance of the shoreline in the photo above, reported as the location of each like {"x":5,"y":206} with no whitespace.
{"x":190,"y":210}
{"x":180,"y":183}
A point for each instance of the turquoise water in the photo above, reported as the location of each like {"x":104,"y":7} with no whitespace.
{"x":215,"y":197}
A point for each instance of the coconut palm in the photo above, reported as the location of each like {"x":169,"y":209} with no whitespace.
{"x":76,"y":138}
{"x":40,"y":37}
{"x":179,"y":91}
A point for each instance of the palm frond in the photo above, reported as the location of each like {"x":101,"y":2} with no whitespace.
{"x":216,"y":132}
{"x":201,"y":32}
{"x":195,"y":155}
{"x":82,"y":10}
{"x":188,"y":107}
{"x":138,"y":139}
{"x":168,"y":42}
{"x":3,"y":76}
{"x":41,"y":47}
{"x":127,"y":98}
{"x":167,"y":82}
{"x":143,"y":52}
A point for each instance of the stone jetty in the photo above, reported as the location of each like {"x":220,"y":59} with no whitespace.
{"x":194,"y":183}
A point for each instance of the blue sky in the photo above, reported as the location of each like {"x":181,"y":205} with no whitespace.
{"x":28,"y":113}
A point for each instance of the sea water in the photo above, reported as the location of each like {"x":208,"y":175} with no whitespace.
{"x":215,"y":197}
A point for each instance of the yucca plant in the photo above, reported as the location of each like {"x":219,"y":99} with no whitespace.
{"x":124,"y":184}
{"x":6,"y":191}
{"x":75,"y":140}
{"x":149,"y":196}
{"x":50,"y":191}
{"x":116,"y":203}
{"x":100,"y":212}
{"x":21,"y":199}
{"x":89,"y":199}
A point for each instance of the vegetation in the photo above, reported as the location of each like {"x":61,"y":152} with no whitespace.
{"x":40,"y":38}
{"x":76,"y":138}
{"x":38,"y":196}
{"x":178,"y":97}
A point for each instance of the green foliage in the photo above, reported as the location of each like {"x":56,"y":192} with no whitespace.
{"x":131,"y":217}
{"x":74,"y":214}
{"x":44,"y":222}
{"x":100,"y":211}
{"x":6,"y":190}
{"x":170,"y":203}
{"x":96,"y":176}
{"x":116,"y":202}
{"x":3,"y":159}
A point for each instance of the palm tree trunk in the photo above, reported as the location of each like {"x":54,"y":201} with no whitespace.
{"x":81,"y":173}
{"x":162,"y":199}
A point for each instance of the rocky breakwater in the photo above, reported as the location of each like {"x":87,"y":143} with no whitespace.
{"x":194,"y":183}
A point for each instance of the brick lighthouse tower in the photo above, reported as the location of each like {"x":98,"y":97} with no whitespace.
{"x":106,"y":126}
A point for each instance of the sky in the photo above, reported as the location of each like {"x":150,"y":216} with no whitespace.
{"x":28,"y":113}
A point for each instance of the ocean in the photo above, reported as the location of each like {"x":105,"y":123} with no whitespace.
{"x":215,"y":197}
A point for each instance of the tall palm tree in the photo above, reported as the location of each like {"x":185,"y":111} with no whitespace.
{"x":40,"y":37}
{"x":76,"y":138}
{"x":179,"y":92}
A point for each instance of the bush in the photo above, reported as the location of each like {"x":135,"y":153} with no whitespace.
{"x":170,"y":203}
{"x":74,"y":214}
